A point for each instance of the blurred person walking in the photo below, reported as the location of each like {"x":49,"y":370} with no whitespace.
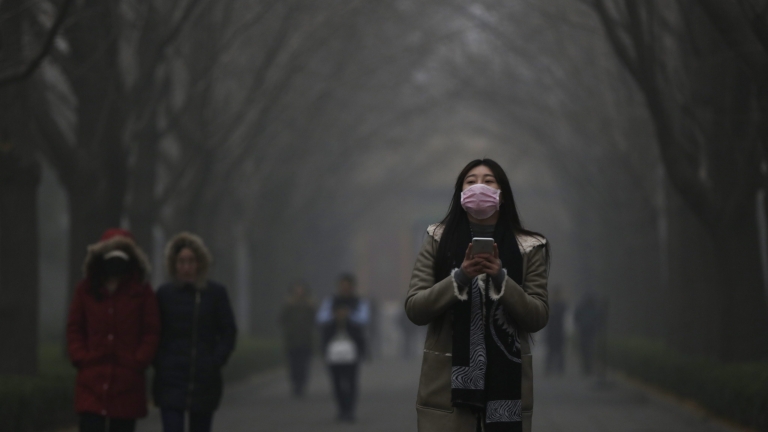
{"x":344,"y":346}
{"x":480,"y":308}
{"x":555,"y":333}
{"x":113,"y":330}
{"x":197,"y":338}
{"x":346,"y":288}
{"x":297,"y":319}
{"x":587,"y":318}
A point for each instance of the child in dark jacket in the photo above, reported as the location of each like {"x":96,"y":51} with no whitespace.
{"x":343,"y":343}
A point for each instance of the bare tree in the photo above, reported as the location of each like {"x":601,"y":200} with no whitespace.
{"x":19,"y":179}
{"x":706,"y":131}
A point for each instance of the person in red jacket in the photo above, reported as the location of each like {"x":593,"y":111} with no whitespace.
{"x":113,"y":330}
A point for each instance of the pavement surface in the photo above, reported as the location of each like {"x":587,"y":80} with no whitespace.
{"x":388,"y":389}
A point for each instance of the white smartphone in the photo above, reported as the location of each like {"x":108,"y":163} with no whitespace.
{"x":482,"y":245}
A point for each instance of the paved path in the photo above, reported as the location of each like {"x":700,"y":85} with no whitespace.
{"x":574,"y":404}
{"x":388,"y":390}
{"x":387,"y":394}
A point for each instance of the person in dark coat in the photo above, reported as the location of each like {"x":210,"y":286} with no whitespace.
{"x":113,"y":330}
{"x":297,"y":319}
{"x":198,"y":335}
{"x":344,"y":345}
{"x":555,"y":333}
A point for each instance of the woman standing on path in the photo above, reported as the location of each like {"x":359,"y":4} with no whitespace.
{"x":476,"y":372}
{"x":297,"y":318}
{"x":112,"y":333}
{"x":198,"y":335}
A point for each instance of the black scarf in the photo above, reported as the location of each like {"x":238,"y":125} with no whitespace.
{"x":487,"y":363}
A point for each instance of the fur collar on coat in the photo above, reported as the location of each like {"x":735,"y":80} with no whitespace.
{"x":97,"y":250}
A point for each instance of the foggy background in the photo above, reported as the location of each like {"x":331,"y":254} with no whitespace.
{"x":305,"y":138}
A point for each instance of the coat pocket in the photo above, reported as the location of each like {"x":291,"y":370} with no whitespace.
{"x":527,"y":382}
{"x":435,"y":382}
{"x":433,"y":333}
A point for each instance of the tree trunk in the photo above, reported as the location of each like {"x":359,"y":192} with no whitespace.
{"x":19,"y":180}
{"x":692,"y":300}
{"x":91,"y":214}
{"x":744,"y":311}
{"x":142,"y":210}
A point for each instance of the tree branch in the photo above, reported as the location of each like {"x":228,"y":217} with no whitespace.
{"x":735,"y":29}
{"x":30,"y":68}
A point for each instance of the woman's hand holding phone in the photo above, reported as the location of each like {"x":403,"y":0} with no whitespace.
{"x":475,"y":265}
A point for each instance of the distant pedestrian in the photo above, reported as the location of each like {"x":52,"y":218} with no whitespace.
{"x":346,"y":288}
{"x":480,"y":306}
{"x":112,"y":334}
{"x":588,"y":321}
{"x":344,"y":346}
{"x":198,"y":335}
{"x":555,"y":334}
{"x":297,"y":319}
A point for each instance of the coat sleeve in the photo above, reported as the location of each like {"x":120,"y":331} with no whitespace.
{"x":426,"y":300}
{"x":528,"y":304}
{"x":77,"y":331}
{"x":227,"y":329}
{"x":150,"y":337}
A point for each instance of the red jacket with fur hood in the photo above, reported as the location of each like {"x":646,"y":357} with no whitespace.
{"x":112,"y":338}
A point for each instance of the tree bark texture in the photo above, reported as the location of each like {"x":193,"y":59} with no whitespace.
{"x":710,"y":151}
{"x":19,"y":180}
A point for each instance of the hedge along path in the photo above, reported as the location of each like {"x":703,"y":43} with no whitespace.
{"x":677,"y":400}
{"x":734,"y":391}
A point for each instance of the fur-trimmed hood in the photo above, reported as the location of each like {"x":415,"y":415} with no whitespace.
{"x":97,"y":251}
{"x":197,"y":246}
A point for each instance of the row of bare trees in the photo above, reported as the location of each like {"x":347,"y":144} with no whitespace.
{"x":147,"y":112}
{"x":275,"y":128}
{"x":701,"y":68}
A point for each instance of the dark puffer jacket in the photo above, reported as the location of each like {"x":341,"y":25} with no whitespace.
{"x":197,"y":337}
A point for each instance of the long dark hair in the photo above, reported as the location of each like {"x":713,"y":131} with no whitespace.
{"x":456,"y":232}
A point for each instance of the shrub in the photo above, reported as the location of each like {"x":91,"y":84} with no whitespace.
{"x":737,"y":391}
{"x":251,"y":356}
{"x":39,"y":403}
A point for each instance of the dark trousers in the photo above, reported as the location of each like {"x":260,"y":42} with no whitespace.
{"x":97,"y":423}
{"x":173,"y":420}
{"x":344,"y":379}
{"x":298,"y":363}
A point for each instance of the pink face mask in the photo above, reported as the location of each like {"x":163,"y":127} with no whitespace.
{"x":480,"y":201}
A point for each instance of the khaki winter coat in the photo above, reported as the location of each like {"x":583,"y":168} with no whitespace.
{"x":430,"y":303}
